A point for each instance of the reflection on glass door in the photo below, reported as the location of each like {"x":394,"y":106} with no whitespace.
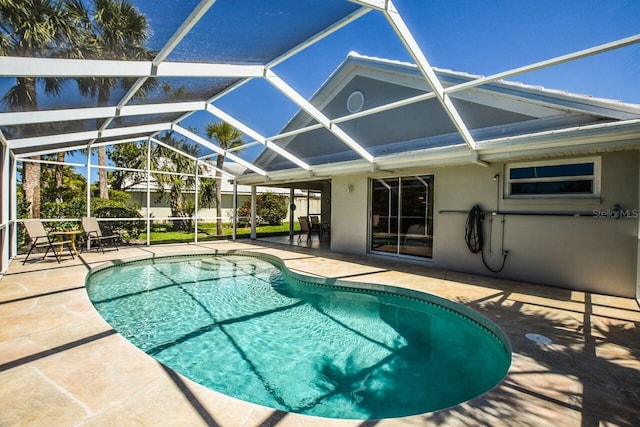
{"x":402,"y":215}
{"x":384,"y":209}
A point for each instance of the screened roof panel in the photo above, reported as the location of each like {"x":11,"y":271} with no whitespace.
{"x":52,"y":148}
{"x":258,"y":98}
{"x":314,"y":147}
{"x":363,"y":93}
{"x":277,"y":163}
{"x":477,"y":116}
{"x":69,"y":95}
{"x":426,"y":118}
{"x":145,"y":119}
{"x":257,"y":31}
{"x":178,"y":89}
{"x":164,"y":18}
{"x":43,"y":129}
{"x":133,"y":137}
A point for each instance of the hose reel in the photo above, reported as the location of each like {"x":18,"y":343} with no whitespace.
{"x":474,"y":238}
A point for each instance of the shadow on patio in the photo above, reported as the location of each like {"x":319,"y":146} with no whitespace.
{"x":62,"y":364}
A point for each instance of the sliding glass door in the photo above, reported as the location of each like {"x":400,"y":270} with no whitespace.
{"x":402,"y":215}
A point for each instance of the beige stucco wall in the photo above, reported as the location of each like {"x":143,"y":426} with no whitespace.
{"x":349,"y":213}
{"x":160,"y":209}
{"x":583,"y":253}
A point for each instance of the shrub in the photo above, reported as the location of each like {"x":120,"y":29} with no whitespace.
{"x":128,"y":229}
{"x":271,"y":209}
{"x":75,"y":208}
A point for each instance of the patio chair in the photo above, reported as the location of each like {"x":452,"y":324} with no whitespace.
{"x":326,"y":229}
{"x":314,"y":224}
{"x":304,"y":227}
{"x":94,"y":233}
{"x":41,"y":239}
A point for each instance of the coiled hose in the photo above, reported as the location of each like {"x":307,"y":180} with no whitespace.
{"x":474,"y":238}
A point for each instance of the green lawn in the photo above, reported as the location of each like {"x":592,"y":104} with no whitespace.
{"x":207,"y":232}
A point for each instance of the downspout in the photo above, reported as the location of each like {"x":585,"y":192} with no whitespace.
{"x":291,"y":211}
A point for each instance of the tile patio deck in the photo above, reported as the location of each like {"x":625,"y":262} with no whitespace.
{"x":61,"y":364}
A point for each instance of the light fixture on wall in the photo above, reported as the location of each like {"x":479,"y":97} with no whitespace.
{"x":349,"y":188}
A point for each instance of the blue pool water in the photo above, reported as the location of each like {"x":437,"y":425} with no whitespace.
{"x":241,"y":326}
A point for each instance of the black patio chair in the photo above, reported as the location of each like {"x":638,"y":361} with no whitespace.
{"x":94,"y":233}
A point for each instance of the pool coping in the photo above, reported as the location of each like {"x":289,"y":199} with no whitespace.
{"x":467,"y":313}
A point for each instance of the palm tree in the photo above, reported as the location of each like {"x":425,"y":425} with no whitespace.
{"x":116,"y":31}
{"x":32,"y":28}
{"x":129,"y":155}
{"x":228,"y":137}
{"x":173,"y":186}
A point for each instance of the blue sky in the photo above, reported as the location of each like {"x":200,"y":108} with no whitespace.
{"x":470,"y":36}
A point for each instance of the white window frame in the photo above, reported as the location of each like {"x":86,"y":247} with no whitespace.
{"x":595,"y":178}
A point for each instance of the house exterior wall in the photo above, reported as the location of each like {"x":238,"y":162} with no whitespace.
{"x":350,"y":210}
{"x":581,"y":253}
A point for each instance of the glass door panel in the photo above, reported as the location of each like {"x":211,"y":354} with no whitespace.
{"x":402,"y":216}
{"x":384,"y":210}
{"x":416,"y":216}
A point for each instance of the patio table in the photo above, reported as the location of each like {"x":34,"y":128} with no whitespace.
{"x":72,"y":237}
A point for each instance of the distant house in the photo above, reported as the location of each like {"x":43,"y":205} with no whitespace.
{"x":555,"y":175}
{"x":306,"y":201}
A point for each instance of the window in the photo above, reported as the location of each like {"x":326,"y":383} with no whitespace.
{"x":566,"y":178}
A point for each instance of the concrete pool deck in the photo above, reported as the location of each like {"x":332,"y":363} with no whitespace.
{"x":61,"y":364}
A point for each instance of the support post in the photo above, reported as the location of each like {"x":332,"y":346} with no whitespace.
{"x":13,"y":182}
{"x":88,"y":211}
{"x":4,"y":211}
{"x":638,"y":247}
{"x":195,"y":202}
{"x":149,"y":192}
{"x":235,"y":210}
{"x":253,"y":212}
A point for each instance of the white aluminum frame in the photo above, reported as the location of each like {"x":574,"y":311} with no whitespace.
{"x":472,"y":151}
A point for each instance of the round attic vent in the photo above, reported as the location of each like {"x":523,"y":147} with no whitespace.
{"x":355,"y":101}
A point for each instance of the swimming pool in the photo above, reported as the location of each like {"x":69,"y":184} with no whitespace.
{"x":249,"y":328}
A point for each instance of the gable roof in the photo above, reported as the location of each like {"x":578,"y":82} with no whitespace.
{"x":503,"y":116}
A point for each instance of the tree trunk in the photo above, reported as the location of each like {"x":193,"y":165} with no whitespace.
{"x":27,"y":101}
{"x":102,"y":173}
{"x":104,"y":93}
{"x":219,"y":164}
{"x":59,"y":177}
{"x":31,"y":187}
{"x":176,"y":209}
